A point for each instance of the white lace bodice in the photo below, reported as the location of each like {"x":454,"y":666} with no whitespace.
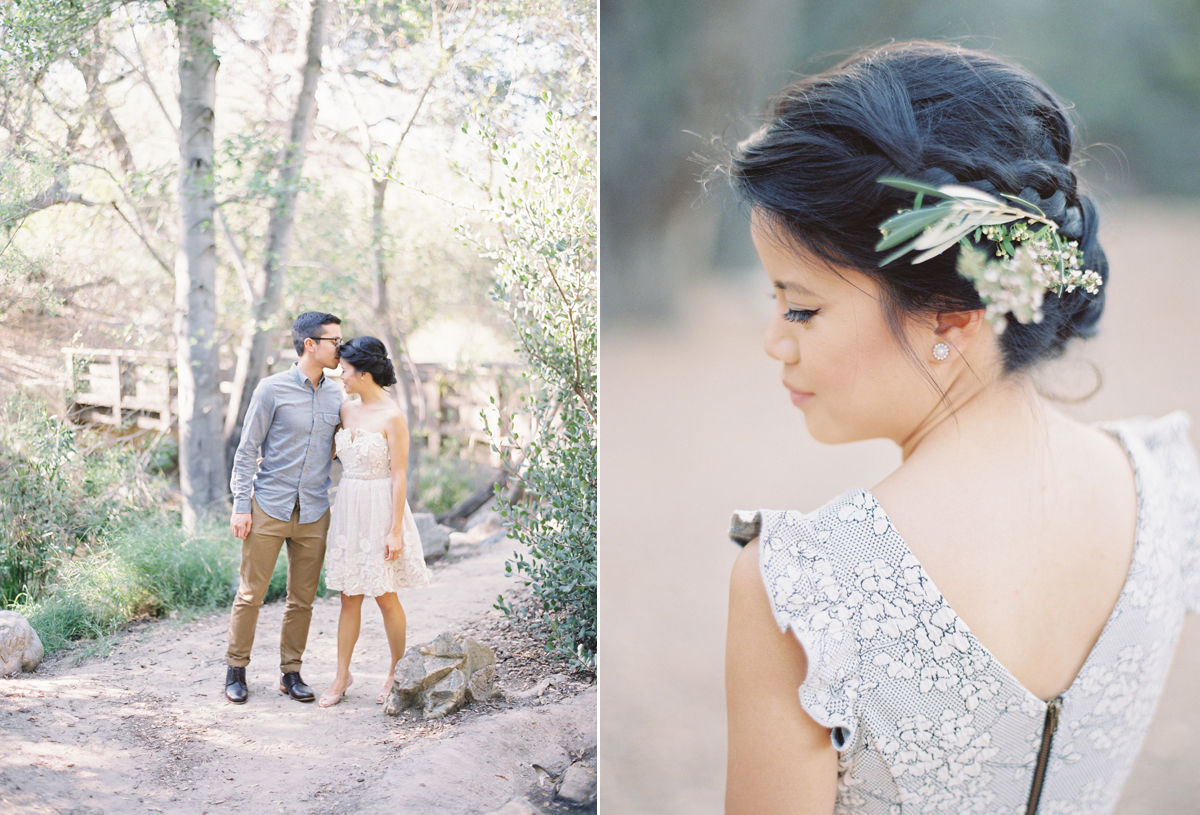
{"x":363,"y":453}
{"x":924,"y":717}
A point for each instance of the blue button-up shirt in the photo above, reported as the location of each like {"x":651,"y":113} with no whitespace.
{"x":290,"y":424}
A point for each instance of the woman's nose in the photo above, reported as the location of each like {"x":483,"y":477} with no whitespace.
{"x":780,"y":344}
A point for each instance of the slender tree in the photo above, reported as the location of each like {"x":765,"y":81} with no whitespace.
{"x":201,"y":454}
{"x":382,"y":174}
{"x":267,"y":287}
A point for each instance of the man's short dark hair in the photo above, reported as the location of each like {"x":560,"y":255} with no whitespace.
{"x":309,"y":325}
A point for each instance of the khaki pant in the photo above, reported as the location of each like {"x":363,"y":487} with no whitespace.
{"x":260,"y":550}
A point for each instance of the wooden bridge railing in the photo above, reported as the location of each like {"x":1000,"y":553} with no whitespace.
{"x":114,"y":386}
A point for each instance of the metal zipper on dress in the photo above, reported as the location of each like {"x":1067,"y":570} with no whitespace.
{"x":1053,"y":708}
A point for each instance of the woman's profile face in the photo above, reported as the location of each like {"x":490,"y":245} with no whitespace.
{"x":350,"y":378}
{"x":842,"y":366}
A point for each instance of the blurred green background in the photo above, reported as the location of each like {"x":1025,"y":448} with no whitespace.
{"x":679,"y":74}
{"x":695,"y":422}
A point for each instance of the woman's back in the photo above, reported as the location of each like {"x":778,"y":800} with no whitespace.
{"x":923,"y":712}
{"x":1029,"y":539}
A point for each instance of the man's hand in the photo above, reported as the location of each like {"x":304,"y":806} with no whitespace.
{"x":239,"y":524}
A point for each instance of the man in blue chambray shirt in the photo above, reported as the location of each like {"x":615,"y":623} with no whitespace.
{"x":290,"y":425}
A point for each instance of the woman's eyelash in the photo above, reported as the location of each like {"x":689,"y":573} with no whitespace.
{"x":794,"y":315}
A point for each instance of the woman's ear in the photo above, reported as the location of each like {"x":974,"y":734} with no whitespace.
{"x":960,"y":329}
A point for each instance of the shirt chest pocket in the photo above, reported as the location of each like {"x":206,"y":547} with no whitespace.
{"x":324,"y":424}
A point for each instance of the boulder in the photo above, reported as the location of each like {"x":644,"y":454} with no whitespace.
{"x":482,"y":684}
{"x":496,"y":538}
{"x":436,"y":668}
{"x":446,"y":644}
{"x":447,"y":695}
{"x":485,"y":528}
{"x":578,"y":784}
{"x":463,"y":650}
{"x":435,"y":538}
{"x":485,"y":523}
{"x":478,"y":657}
{"x":20,"y":647}
{"x":410,"y":674}
{"x":442,"y":676}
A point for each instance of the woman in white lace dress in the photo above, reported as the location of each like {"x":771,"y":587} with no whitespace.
{"x":989,"y":628}
{"x":373,"y":544}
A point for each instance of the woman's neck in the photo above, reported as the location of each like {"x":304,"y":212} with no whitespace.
{"x":1006,"y":411}
{"x":371,"y":394}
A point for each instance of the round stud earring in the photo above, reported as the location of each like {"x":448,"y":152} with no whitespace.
{"x":941,"y":351}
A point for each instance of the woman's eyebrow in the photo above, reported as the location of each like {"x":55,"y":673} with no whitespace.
{"x":793,"y":287}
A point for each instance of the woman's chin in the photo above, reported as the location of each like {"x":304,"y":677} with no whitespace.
{"x":822,"y":429}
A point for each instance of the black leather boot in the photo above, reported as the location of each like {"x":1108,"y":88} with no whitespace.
{"x":294,"y":686}
{"x":235,"y":685}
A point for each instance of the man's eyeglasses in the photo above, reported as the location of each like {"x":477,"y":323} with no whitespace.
{"x":335,"y":340}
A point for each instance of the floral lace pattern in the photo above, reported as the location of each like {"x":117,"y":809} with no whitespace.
{"x":362,"y":517}
{"x":924,"y":717}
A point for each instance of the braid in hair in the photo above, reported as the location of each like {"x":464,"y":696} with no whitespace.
{"x":937,"y":114}
{"x":370,"y":354}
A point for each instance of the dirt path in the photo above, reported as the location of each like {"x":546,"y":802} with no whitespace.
{"x":147,"y":728}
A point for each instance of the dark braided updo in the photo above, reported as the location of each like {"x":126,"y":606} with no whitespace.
{"x":369,"y":354}
{"x":931,"y":113}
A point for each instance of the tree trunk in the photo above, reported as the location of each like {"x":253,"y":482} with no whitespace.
{"x":259,"y":339}
{"x":201,"y":454}
{"x":408,"y":386}
{"x":457,"y":515}
{"x":407,"y":377}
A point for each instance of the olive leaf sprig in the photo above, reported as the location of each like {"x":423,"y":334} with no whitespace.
{"x":1031,"y":257}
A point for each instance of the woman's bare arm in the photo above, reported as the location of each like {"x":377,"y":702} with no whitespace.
{"x":396,"y":430}
{"x":781,"y":762}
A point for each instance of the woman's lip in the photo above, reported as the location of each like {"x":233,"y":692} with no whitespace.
{"x":799,"y":398}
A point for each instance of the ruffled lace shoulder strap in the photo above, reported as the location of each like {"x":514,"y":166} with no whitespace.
{"x":1169,"y":485}
{"x":807,"y":596}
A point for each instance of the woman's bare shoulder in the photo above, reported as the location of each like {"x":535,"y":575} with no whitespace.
{"x":393,"y":422}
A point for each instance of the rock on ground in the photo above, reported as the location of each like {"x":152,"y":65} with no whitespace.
{"x":442,"y":676}
{"x":435,"y":538}
{"x":20,"y":647}
{"x":579,"y":784}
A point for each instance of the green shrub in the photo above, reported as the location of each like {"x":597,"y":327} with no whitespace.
{"x":444,"y":482}
{"x":177,"y":570}
{"x":546,"y":282}
{"x":59,"y":489}
{"x":147,"y":568}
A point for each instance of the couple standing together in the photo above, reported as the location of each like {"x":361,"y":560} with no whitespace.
{"x":296,"y":424}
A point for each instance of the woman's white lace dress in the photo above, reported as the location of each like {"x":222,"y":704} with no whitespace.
{"x":362,"y":517}
{"x":924,"y":718}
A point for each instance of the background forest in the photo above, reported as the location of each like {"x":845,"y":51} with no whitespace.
{"x":180,"y":179}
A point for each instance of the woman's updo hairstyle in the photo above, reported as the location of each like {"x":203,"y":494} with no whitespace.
{"x":369,"y":354}
{"x":932,"y":113}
